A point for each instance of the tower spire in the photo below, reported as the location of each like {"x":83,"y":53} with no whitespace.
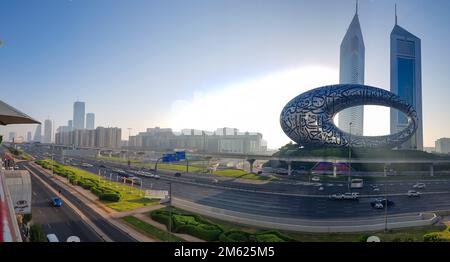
{"x":356,"y":6}
{"x":395,"y":14}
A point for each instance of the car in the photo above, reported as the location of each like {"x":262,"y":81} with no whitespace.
{"x":413,"y":193}
{"x":73,"y":239}
{"x":177,"y":174}
{"x":56,"y":201}
{"x":315,"y":179}
{"x":52,"y":238}
{"x":376,"y":189}
{"x":351,"y":196}
{"x":378,"y":206}
{"x":215,"y":180}
{"x":321,"y":188}
{"x":382,"y":201}
{"x":337,"y":196}
{"x":419,"y":185}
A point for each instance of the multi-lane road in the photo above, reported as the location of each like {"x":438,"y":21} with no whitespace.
{"x":64,"y":221}
{"x":290,"y":199}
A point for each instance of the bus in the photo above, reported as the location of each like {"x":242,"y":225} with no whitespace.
{"x":357,"y":183}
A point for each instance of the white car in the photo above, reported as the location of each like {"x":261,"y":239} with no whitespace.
{"x":351,"y":196}
{"x":376,"y":189}
{"x":321,"y":188}
{"x":419,"y":185}
{"x":378,"y":205}
{"x":52,"y":238}
{"x":338,"y":196}
{"x":315,"y":179}
{"x":413,"y":193}
{"x":73,"y":239}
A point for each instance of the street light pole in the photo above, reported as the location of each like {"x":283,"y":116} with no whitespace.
{"x":170,"y":207}
{"x":385,"y":207}
{"x":349,"y":156}
{"x":128,"y":147}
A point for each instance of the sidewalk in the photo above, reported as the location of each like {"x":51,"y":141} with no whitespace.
{"x":133,"y":212}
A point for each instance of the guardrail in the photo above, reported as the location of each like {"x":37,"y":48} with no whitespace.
{"x":8,"y":223}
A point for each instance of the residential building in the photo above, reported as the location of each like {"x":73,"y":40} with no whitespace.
{"x":90,"y":121}
{"x":48,"y":131}
{"x":224,"y":140}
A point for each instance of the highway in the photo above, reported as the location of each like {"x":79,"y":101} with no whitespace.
{"x":111,"y":231}
{"x":279,"y":199}
{"x":293,"y":199}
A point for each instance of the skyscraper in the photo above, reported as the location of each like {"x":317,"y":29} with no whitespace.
{"x":351,"y":71}
{"x":70,"y":124}
{"x":406,"y":81}
{"x":78,"y":115}
{"x":38,"y":134}
{"x":48,"y":131}
{"x":90,"y":121}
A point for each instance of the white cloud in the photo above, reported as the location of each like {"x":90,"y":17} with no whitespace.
{"x":253,"y":105}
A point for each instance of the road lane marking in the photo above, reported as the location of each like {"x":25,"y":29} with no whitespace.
{"x":74,"y":208}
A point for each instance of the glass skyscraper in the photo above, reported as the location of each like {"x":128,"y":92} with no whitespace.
{"x":351,"y":71}
{"x":90,"y":121}
{"x":406,"y":81}
{"x":78,"y":115}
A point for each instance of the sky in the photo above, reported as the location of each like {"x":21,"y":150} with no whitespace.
{"x":206,"y":64}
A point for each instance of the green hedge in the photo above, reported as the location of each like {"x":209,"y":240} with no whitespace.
{"x":199,"y":227}
{"x":160,"y":216}
{"x":264,"y":236}
{"x":37,"y":234}
{"x":113,"y":197}
{"x":103,"y":192}
{"x":200,"y":232}
{"x":435,"y":237}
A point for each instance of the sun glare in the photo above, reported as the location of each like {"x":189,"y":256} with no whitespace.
{"x":253,"y":106}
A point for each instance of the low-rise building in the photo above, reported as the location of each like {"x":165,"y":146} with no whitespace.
{"x":101,"y":137}
{"x":223,"y":140}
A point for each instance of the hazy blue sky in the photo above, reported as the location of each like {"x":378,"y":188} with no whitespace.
{"x":137,"y":63}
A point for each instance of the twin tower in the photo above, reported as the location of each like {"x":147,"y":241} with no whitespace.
{"x":405,"y":78}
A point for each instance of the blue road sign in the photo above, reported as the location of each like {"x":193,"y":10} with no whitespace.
{"x":173,"y":157}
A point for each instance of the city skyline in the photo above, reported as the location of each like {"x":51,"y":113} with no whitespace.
{"x":240,"y":72}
